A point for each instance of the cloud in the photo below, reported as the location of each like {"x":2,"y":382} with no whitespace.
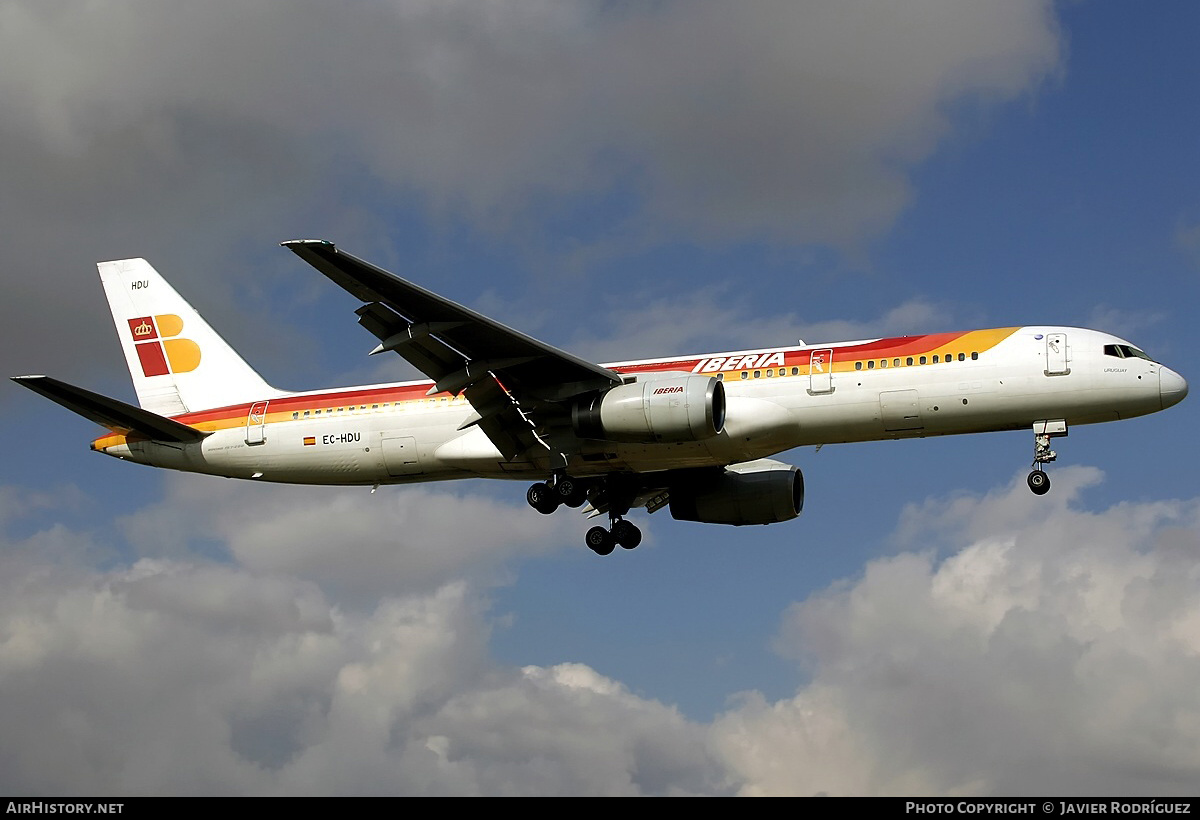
{"x":1187,"y":239}
{"x":156,"y":129}
{"x":1051,"y":651}
{"x":712,"y":319}
{"x":180,"y":678}
{"x":357,"y":545}
{"x":1020,"y":645}
{"x":1124,"y":323}
{"x":799,"y":118}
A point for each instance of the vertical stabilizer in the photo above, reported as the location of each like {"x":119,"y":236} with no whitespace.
{"x":178,"y":363}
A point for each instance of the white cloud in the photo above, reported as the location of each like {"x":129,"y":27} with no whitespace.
{"x":1187,"y":239}
{"x":147,"y":128}
{"x":1053,"y":652}
{"x":357,"y":545}
{"x":795,"y":117}
{"x":1122,"y":322}
{"x":177,"y":678}
{"x":712,"y":319}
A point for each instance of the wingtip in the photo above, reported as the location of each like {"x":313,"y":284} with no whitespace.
{"x":293,"y":243}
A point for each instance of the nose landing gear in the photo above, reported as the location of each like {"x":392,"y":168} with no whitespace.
{"x":1043,"y":431}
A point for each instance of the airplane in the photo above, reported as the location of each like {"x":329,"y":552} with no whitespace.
{"x":692,"y":433}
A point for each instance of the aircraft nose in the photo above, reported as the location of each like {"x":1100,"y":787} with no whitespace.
{"x":1171,"y":387}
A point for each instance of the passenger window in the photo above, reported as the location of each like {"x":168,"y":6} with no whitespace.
{"x":295,"y":415}
{"x":720,"y":377}
{"x":757,"y":373}
{"x":770,"y":373}
{"x":871,"y":365}
{"x":909,"y":361}
{"x":745,"y":375}
{"x":795,"y":371}
{"x":923,"y":360}
{"x":935,"y":358}
{"x":895,"y":362}
{"x":974,"y":355}
{"x":858,"y":365}
{"x":883,"y":362}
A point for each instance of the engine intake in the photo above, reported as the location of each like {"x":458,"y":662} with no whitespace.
{"x":669,"y":408}
{"x":757,"y":492}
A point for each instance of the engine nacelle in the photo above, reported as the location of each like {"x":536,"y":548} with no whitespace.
{"x":667,"y":407}
{"x":757,"y":492}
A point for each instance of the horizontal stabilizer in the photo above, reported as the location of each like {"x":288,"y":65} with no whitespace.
{"x":115,"y":415}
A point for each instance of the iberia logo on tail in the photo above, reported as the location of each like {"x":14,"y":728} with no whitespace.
{"x":158,"y":349}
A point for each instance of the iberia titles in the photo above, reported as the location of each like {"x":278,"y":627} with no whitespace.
{"x":745,"y":361}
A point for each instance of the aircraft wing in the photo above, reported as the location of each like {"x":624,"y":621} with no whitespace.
{"x":507,"y":377}
{"x":115,"y":415}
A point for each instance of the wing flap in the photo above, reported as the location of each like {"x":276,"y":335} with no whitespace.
{"x":423,"y":351}
{"x":115,"y":415}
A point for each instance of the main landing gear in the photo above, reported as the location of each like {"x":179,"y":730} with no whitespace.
{"x":546,"y":497}
{"x":603,"y":541}
{"x":1043,"y":431}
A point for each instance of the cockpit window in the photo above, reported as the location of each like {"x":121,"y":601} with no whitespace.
{"x":1125,"y":352}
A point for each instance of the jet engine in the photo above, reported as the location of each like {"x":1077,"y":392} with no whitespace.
{"x":756,"y":492}
{"x":671,"y":407}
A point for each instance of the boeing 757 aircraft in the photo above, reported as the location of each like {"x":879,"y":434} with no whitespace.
{"x":694,"y":433}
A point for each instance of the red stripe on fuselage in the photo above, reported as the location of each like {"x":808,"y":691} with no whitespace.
{"x":896,"y":346}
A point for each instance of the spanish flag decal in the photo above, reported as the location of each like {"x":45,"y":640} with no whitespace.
{"x":310,"y":440}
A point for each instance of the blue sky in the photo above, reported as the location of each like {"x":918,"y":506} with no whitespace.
{"x":621,"y":181}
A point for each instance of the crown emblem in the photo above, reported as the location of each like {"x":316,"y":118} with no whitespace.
{"x":144,"y":329}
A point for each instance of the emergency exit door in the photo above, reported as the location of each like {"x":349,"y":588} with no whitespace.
{"x":820,"y":371}
{"x":256,"y":423}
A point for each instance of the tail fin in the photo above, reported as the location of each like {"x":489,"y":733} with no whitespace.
{"x":178,"y":363}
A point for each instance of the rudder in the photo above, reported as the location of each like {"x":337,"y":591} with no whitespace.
{"x":179,"y":364}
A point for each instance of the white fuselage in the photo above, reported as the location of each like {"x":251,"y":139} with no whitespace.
{"x":777,"y":399}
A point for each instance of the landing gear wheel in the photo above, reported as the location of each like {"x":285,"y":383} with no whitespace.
{"x":1039,"y":482}
{"x":570,"y":491}
{"x":626,"y":534}
{"x":600,"y":541}
{"x":542,"y":497}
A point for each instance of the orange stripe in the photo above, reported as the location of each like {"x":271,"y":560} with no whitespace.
{"x":844,"y":357}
